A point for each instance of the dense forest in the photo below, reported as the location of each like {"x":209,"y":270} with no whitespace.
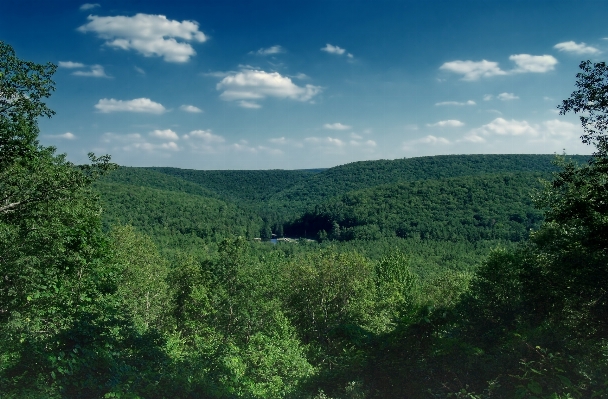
{"x":464,"y":276}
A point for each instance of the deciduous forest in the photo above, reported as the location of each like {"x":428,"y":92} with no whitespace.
{"x":463,"y":276}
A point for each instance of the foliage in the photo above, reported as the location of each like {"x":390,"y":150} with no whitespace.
{"x":590,"y":101}
{"x":455,"y":209}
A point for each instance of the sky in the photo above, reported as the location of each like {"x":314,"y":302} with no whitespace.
{"x":224,"y":84}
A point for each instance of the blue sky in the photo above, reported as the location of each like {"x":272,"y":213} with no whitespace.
{"x":304,"y":84}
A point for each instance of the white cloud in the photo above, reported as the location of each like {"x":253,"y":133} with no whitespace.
{"x":249,"y":84}
{"x":430,"y":139}
{"x":336,"y":126}
{"x":150,"y":35}
{"x":205,"y":136}
{"x":559,"y":128}
{"x":152,"y":147}
{"x":64,"y":136}
{"x":88,"y":6}
{"x":191,"y":108}
{"x":533,"y":63}
{"x":218,"y":74}
{"x":473,"y":70}
{"x":96,"y":71}
{"x":503,"y":127}
{"x":278,"y":140}
{"x":576,"y":48}
{"x":547,"y":136}
{"x":70,"y":64}
{"x":507,"y":96}
{"x":249,"y":104}
{"x":325,"y":140}
{"x":333,"y":49}
{"x":270,"y":50}
{"x":166,"y":134}
{"x":525,"y":63}
{"x":487,"y":97}
{"x":135,"y":142}
{"x":301,"y":76}
{"x":139,"y":70}
{"x":365,"y":146}
{"x":474,"y":138}
{"x":145,"y":105}
{"x":448,"y":123}
{"x":356,"y":136}
{"x":469,"y":102}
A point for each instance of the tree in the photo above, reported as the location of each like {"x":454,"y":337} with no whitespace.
{"x":62,"y":329}
{"x":591,"y":99}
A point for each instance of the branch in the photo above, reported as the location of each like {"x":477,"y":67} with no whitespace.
{"x":8,"y":207}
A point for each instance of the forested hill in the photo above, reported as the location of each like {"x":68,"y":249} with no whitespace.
{"x":144,"y":177}
{"x":359,"y":175}
{"x":464,"y":208}
{"x":239,"y":185}
{"x":175,"y":219}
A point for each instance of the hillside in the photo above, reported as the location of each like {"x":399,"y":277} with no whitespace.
{"x":241,"y":185}
{"x":359,"y":175}
{"x":465,"y":208}
{"x":174,"y":219}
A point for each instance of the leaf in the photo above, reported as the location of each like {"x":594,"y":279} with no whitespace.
{"x":535,"y":387}
{"x":565,"y":380}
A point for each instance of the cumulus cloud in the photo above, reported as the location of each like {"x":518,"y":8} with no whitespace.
{"x":553,"y":132}
{"x":558,"y":128}
{"x":474,"y":138}
{"x":204,"y":136}
{"x":368,"y":143}
{"x":469,"y":102}
{"x":525,"y":63}
{"x":249,"y":104}
{"x":448,"y":123}
{"x":336,"y":126}
{"x":533,"y":63}
{"x":300,"y":76}
{"x":64,"y":136}
{"x":166,"y":134}
{"x":270,"y":50}
{"x":144,"y":105}
{"x":191,"y":109}
{"x":487,"y":97}
{"x":335,"y":50}
{"x":152,"y":147}
{"x":576,"y":48}
{"x":473,"y":70}
{"x":324,"y":140}
{"x":249,"y":85}
{"x":89,"y":6}
{"x":507,"y":96}
{"x":70,"y":64}
{"x":278,"y":140}
{"x":149,"y":35}
{"x":95,"y":71}
{"x":503,"y":127}
{"x":430,"y":139}
{"x":135,"y":142}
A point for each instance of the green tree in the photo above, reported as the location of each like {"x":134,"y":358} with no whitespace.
{"x":62,"y":328}
{"x":591,"y":101}
{"x":142,"y":284}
